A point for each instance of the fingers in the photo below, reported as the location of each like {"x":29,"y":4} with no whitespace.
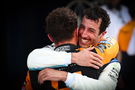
{"x":96,"y":63}
{"x":94,"y":66}
{"x":42,"y":76}
{"x":90,"y":48}
{"x":96,"y":55}
{"x":98,"y":60}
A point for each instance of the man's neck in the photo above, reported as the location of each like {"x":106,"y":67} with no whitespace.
{"x":66,"y":42}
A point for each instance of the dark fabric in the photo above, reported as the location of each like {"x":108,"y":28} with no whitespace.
{"x":128,"y":70}
{"x":87,"y":71}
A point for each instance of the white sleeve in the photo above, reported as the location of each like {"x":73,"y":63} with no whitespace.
{"x":39,"y":59}
{"x":107,"y":79}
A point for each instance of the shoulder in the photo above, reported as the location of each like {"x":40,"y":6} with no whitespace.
{"x":111,"y":40}
{"x":42,"y":50}
{"x":108,"y":41}
{"x":114,"y":64}
{"x":108,"y":49}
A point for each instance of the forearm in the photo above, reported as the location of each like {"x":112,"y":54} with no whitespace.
{"x":42,"y":58}
{"x":106,"y":81}
{"x":47,"y":58}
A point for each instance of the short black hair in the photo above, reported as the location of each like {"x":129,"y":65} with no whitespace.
{"x":95,"y":13}
{"x":61,"y":23}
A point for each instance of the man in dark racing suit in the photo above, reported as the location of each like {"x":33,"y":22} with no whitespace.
{"x":72,"y":68}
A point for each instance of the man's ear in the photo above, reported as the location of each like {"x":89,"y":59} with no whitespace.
{"x":75,"y":32}
{"x":103,"y":34}
{"x":50,"y":37}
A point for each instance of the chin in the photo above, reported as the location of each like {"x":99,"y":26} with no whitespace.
{"x":84,"y":46}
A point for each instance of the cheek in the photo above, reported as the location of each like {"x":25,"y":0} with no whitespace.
{"x":91,"y":36}
{"x":94,"y":39}
{"x":80,"y":33}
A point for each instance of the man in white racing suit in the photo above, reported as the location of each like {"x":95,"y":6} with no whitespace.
{"x":91,"y":32}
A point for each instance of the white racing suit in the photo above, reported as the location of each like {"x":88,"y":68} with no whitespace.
{"x":45,"y":57}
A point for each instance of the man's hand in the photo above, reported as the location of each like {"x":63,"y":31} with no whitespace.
{"x":51,"y":74}
{"x":87,"y":58}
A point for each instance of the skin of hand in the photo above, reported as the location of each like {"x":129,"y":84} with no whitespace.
{"x":83,"y":58}
{"x":51,"y":74}
{"x":87,"y":58}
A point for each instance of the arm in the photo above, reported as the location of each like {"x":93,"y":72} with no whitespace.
{"x":107,"y":80}
{"x":46,"y":57}
{"x":38,"y":59}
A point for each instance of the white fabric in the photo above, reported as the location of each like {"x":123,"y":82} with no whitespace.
{"x":70,"y":79}
{"x":107,"y":79}
{"x":38,"y":59}
{"x":47,"y":57}
{"x":118,"y":20}
{"x":131,"y":46}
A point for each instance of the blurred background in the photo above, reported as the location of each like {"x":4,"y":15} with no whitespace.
{"x":25,"y":29}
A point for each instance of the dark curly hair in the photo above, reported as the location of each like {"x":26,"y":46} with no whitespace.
{"x":95,"y":13}
{"x":61,"y":23}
